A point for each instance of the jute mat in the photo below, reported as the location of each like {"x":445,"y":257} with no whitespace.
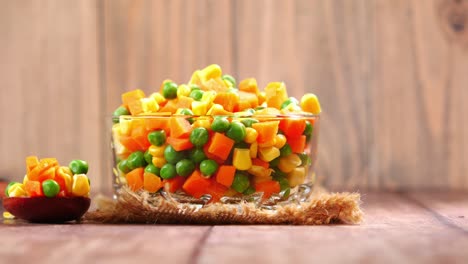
{"x":322,"y":208}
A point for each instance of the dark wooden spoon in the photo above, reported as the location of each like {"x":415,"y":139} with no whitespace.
{"x":47,"y":210}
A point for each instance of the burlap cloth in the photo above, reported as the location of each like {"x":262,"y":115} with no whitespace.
{"x":322,"y":208}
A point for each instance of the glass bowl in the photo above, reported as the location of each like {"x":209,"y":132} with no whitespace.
{"x":264,"y":159}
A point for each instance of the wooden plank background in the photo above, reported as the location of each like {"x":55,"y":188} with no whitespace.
{"x":391,"y":76}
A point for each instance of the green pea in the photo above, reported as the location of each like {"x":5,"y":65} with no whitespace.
{"x":240,"y":182}
{"x":157,"y":138}
{"x":171,"y":155}
{"x":285,"y":150}
{"x":278,"y":174}
{"x":199,"y":136}
{"x":78,"y":166}
{"x":229,"y":79}
{"x":118,"y":112}
{"x":168,"y":171}
{"x":196,"y":94}
{"x":194,"y":87}
{"x":236,"y":132}
{"x":250,"y":190}
{"x":136,"y":160}
{"x":290,"y":100}
{"x":220,"y":124}
{"x":274,"y":162}
{"x":185,"y":167}
{"x":148,"y":157}
{"x":153,"y":169}
{"x":208,"y":167}
{"x":50,"y":188}
{"x":123,"y":166}
{"x":305,"y":159}
{"x":308,"y":129}
{"x":8,"y":187}
{"x":186,"y":111}
{"x":170,"y":90}
{"x":241,"y":144}
{"x":284,"y":186}
{"x":249,"y":121}
{"x":197,"y":155}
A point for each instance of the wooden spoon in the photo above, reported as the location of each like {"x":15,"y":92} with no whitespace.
{"x":47,"y":210}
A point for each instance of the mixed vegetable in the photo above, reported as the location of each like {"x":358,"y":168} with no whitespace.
{"x":45,"y":177}
{"x":214,"y":136}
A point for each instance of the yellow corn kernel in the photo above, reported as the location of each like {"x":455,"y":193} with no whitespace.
{"x":80,"y":186}
{"x":125,"y":126}
{"x":202,"y":123}
{"x":67,"y":176}
{"x":268,"y":154}
{"x":211,"y":72}
{"x":149,"y":105}
{"x":296,"y":177}
{"x":214,"y":107}
{"x":253,"y":150}
{"x":291,"y":108}
{"x":183,"y":90}
{"x":25,"y":179}
{"x":158,"y":97}
{"x":250,"y":135}
{"x":17,"y":190}
{"x":261,"y":97}
{"x":260,"y":172}
{"x":196,"y":78}
{"x":208,"y":97}
{"x":280,"y":141}
{"x":268,"y":144}
{"x":241,"y":159}
{"x":228,"y":83}
{"x":199,"y":108}
{"x":7,"y":215}
{"x":288,"y":164}
{"x":159,"y":161}
{"x":310,"y":103}
{"x":157,"y":151}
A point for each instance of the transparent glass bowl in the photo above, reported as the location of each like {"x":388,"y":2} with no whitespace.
{"x":293,"y":169}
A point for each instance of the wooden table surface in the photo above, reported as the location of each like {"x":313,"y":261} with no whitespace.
{"x":418,"y":227}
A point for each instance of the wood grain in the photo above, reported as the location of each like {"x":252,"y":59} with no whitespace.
{"x":49,"y":79}
{"x":391,"y":76}
{"x":399,"y":228}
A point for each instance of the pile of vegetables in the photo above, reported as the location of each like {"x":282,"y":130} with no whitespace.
{"x":214,"y":136}
{"x":45,"y":177}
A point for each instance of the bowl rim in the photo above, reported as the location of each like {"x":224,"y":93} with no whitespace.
{"x":278,"y":116}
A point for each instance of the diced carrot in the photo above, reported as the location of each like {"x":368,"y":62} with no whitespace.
{"x":224,"y":112}
{"x":297,"y":144}
{"x":131,"y":96}
{"x":135,"y":107}
{"x":249,"y":98}
{"x":135,"y":179}
{"x":31,"y":163}
{"x":47,"y":174}
{"x":43,"y":165}
{"x":180,"y":144}
{"x":220,"y":146}
{"x":259,"y":162}
{"x":225,"y":175}
{"x":196,"y":185}
{"x":152,"y":183}
{"x":33,"y":188}
{"x":170,"y":106}
{"x":140,"y":135}
{"x":216,"y":190}
{"x":268,"y":188}
{"x":130,"y":143}
{"x":158,"y":122}
{"x":227,"y":100}
{"x":242,"y":105}
{"x":266,"y":131}
{"x":174,"y":184}
{"x":249,"y":85}
{"x":292,"y":127}
{"x":184,"y":102}
{"x":210,"y":155}
{"x":216,"y":84}
{"x":180,"y":127}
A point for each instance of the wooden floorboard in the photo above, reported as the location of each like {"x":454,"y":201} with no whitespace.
{"x":398,"y":228}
